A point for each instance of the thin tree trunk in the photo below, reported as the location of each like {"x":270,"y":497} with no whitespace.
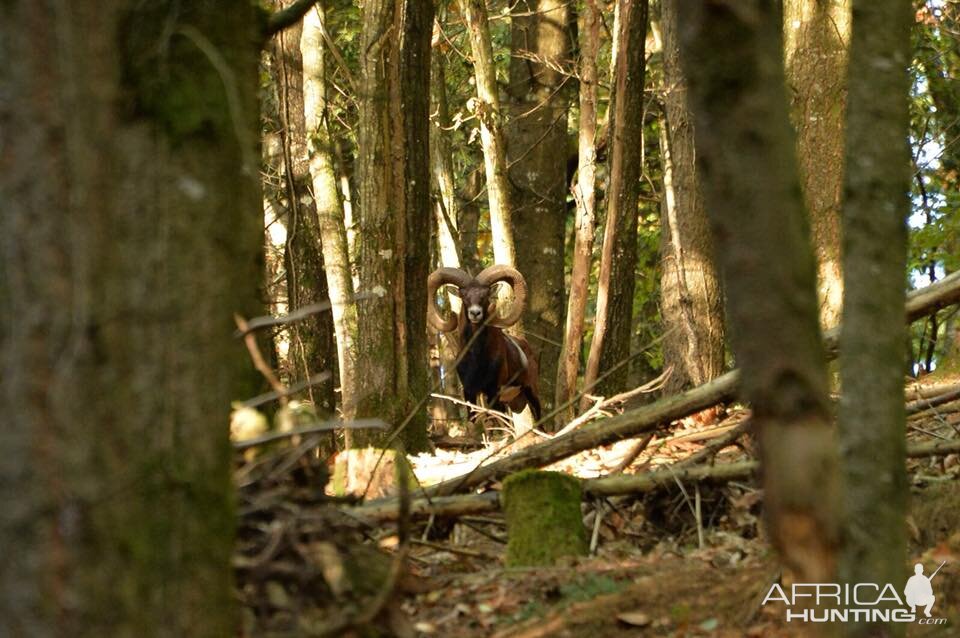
{"x":447,"y":206}
{"x":131,"y":232}
{"x":584,"y":193}
{"x":539,"y":95}
{"x":692,"y":302}
{"x":491,"y":131}
{"x":312,"y":339}
{"x":610,"y":344}
{"x":745,"y":154}
{"x":816,"y":37}
{"x":328,"y":206}
{"x":469,"y":222}
{"x":872,"y":353}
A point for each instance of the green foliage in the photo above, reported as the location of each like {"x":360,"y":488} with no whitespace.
{"x":935,"y":141}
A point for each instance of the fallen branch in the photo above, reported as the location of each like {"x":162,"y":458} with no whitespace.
{"x":623,"y":426}
{"x":923,"y":405}
{"x":320,"y":426}
{"x":454,"y":506}
{"x":644,"y":419}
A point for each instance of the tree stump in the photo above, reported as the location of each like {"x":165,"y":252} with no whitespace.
{"x":543,"y":518}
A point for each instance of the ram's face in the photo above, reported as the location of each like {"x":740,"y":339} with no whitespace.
{"x":476,"y":300}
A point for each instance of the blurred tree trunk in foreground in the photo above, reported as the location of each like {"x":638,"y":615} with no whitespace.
{"x":692,"y":302}
{"x":610,"y":344}
{"x":132,"y":231}
{"x":536,"y":139}
{"x":311,"y":339}
{"x":329,"y":209}
{"x":872,"y":426}
{"x":816,"y":39}
{"x":745,"y":156}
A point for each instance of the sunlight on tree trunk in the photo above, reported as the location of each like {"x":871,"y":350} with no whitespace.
{"x":584,"y":194}
{"x":816,"y":39}
{"x":692,"y":302}
{"x":312,"y":339}
{"x":610,"y":344}
{"x":328,"y":206}
{"x":487,"y":110}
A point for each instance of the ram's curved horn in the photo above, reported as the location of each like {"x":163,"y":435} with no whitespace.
{"x":442,"y":277}
{"x":512,"y":276}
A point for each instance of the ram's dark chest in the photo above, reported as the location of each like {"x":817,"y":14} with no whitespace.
{"x":477,"y":368}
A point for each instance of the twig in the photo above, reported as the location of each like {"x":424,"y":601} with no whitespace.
{"x":266,"y":397}
{"x":300,"y":313}
{"x":256,"y":356}
{"x":319,"y":426}
{"x":456,"y":550}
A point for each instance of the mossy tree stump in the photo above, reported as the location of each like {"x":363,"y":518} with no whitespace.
{"x":543,"y":518}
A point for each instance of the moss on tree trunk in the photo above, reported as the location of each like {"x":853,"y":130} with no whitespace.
{"x":543,"y":518}
{"x":133,"y":231}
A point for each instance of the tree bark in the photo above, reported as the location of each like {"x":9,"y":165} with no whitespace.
{"x":312,"y":339}
{"x":488,"y":111}
{"x":446,"y":206}
{"x":816,"y":37}
{"x":329,"y":210}
{"x":538,"y":102}
{"x":584,"y":194}
{"x":132,"y":231}
{"x":610,"y":344}
{"x":411,"y":106}
{"x":872,"y":349}
{"x":745,"y":156}
{"x":394,"y":182}
{"x":691,"y":299}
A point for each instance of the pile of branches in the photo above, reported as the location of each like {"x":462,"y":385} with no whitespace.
{"x":301,"y":564}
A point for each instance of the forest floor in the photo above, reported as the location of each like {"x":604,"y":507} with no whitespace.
{"x":655,"y":570}
{"x":685,"y":560}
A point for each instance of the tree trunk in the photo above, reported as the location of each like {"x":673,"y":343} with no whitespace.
{"x":488,"y":111}
{"x":692,"y":302}
{"x":446,"y":206}
{"x":816,"y":36}
{"x":469,"y":222}
{"x":538,"y":99}
{"x":584,"y":194}
{"x":872,"y":353}
{"x":394,"y":182}
{"x":311,"y":339}
{"x":745,"y":156}
{"x":329,"y":211}
{"x":610,"y":344}
{"x":132,"y":231}
{"x":411,"y":106}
